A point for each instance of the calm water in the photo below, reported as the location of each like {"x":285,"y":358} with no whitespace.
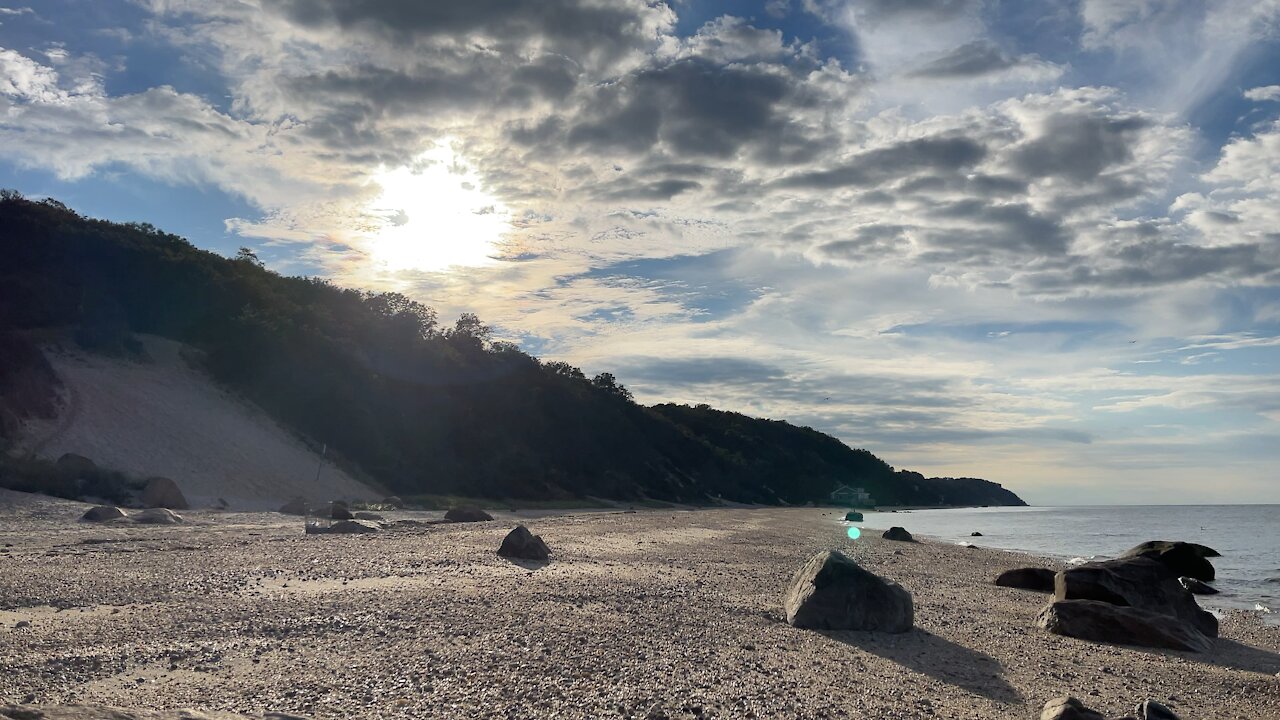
{"x":1248,"y":536}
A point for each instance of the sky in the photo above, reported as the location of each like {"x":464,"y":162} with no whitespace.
{"x":1028,"y":240}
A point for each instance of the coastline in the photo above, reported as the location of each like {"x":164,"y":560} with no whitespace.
{"x":650,"y":614}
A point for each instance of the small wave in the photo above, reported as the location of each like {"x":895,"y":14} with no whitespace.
{"x":1262,"y":608}
{"x":1077,"y":561}
{"x":1272,"y":580}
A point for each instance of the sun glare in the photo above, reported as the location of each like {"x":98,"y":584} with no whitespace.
{"x":434,"y":216}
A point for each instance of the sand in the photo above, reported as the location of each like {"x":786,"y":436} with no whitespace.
{"x":164,"y":417}
{"x":645,"y":615}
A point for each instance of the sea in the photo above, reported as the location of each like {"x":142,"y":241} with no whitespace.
{"x":1248,"y":536}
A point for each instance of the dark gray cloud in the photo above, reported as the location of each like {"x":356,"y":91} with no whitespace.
{"x":882,"y":165}
{"x":656,"y":190}
{"x":1078,"y":147}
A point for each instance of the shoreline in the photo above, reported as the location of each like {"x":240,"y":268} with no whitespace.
{"x":639,"y":615}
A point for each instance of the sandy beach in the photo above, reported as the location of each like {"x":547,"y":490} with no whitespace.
{"x":656,"y":614}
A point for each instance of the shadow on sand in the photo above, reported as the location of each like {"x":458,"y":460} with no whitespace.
{"x":940,"y":659}
{"x":527,"y":564}
{"x":1237,"y":655}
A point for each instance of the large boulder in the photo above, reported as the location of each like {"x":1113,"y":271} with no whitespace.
{"x":102,"y":513}
{"x":853,"y":516}
{"x":1068,"y":708}
{"x":1182,"y":558}
{"x":338,"y":510}
{"x":296,"y":506}
{"x":158,"y":516}
{"x":75,"y":466}
{"x":1038,"y":579}
{"x":832,"y":592}
{"x":898,"y":533}
{"x":1138,"y":582}
{"x":524,"y":545}
{"x":161,"y":492}
{"x":393,"y":502}
{"x":467,"y":513}
{"x":1103,"y":622}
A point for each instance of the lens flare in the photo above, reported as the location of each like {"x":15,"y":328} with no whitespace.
{"x":854,"y":533}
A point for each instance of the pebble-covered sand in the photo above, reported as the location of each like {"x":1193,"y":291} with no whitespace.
{"x":656,"y":614}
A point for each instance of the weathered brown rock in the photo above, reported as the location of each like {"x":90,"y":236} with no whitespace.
{"x":1138,"y":582}
{"x":832,"y":592}
{"x":898,"y":533}
{"x":161,"y":492}
{"x":1068,"y":708}
{"x":339,"y":511}
{"x":467,"y":513}
{"x":1103,"y":622}
{"x":103,"y":513}
{"x":524,"y":545}
{"x":1037,"y":579}
{"x":1183,"y":558}
{"x":1151,"y":710}
{"x":296,"y":506}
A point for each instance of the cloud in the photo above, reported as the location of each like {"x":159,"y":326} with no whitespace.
{"x":981,"y":58}
{"x":1268,"y":93}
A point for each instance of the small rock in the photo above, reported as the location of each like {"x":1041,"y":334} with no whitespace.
{"x":103,"y":513}
{"x":393,"y":501}
{"x":467,"y":513}
{"x":1038,"y":579}
{"x":853,"y":516}
{"x":296,"y":506}
{"x":975,"y":533}
{"x":158,"y":516}
{"x":1151,"y":710}
{"x":898,"y":533}
{"x":1068,"y":708}
{"x":524,"y":545}
{"x":22,"y":624}
{"x":345,"y":527}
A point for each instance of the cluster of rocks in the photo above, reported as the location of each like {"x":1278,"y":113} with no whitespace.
{"x":1136,"y":599}
{"x":1069,"y":708}
{"x":99,"y":712}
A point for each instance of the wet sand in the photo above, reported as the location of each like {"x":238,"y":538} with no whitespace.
{"x":656,"y":614}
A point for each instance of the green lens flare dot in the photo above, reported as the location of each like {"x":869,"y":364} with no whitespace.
{"x":854,"y":533}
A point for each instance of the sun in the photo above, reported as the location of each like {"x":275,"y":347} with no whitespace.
{"x":432,"y":215}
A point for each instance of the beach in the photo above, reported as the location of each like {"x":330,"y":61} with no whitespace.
{"x":652,"y":614}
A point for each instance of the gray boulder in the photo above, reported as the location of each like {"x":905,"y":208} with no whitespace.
{"x":1138,"y":582}
{"x":73,"y":465}
{"x":1182,"y":558}
{"x":853,"y":516}
{"x":467,"y":513}
{"x":898,"y":533}
{"x":1068,"y":708}
{"x":1103,"y":622}
{"x":1037,"y":579}
{"x":832,"y":592}
{"x":393,"y":502}
{"x":975,"y":533}
{"x":1195,"y":587}
{"x":103,"y":513}
{"x":524,"y":545}
{"x":338,"y":511}
{"x":161,"y":492}
{"x":296,"y":506}
{"x":158,"y":516}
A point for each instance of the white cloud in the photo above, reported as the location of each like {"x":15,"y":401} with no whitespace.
{"x":1267,"y":93}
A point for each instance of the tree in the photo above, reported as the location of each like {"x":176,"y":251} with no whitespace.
{"x":560,"y":368}
{"x":247,"y":255}
{"x":609,"y":384}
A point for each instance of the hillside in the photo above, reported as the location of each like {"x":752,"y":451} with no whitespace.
{"x":161,"y":417}
{"x":419,"y":407}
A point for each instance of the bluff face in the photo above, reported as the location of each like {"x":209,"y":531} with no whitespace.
{"x":420,"y":408}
